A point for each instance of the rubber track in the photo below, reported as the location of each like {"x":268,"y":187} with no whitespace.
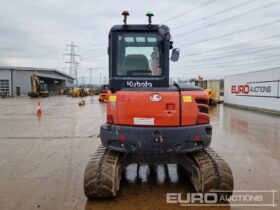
{"x":209,"y":173}
{"x":212,"y":173}
{"x":101,"y":174}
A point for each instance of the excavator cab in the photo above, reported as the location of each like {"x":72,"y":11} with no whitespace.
{"x":139,"y":55}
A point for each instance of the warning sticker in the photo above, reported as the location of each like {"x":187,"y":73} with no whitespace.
{"x":112,"y":98}
{"x":143,"y":121}
{"x":187,"y":99}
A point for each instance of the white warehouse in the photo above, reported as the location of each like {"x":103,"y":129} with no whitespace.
{"x":16,"y":81}
{"x":254,"y":90}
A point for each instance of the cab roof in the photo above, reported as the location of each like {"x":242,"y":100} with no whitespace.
{"x":162,"y":29}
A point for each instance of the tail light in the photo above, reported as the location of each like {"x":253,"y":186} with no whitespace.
{"x":196,"y":138}
{"x":122,"y":137}
{"x":203,"y":120}
{"x":110,"y":119}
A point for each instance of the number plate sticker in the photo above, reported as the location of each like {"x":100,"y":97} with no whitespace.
{"x":143,"y":121}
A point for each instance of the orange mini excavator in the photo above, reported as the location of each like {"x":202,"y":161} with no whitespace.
{"x":149,"y":120}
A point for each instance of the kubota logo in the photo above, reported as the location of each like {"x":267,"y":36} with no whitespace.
{"x":143,"y":84}
{"x":155,"y":97}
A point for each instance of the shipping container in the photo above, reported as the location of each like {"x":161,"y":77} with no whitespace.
{"x":255,"y":90}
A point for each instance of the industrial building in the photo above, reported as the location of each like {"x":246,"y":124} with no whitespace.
{"x":258,"y":90}
{"x":16,"y":81}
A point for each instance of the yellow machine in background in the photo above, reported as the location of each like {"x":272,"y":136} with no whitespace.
{"x":75,"y":92}
{"x":37,"y":89}
{"x":61,"y":92}
{"x":103,"y":94}
{"x":90,"y":91}
{"x":212,"y":87}
{"x":79,"y":92}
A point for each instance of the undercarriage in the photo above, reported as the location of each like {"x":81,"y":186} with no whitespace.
{"x":206,"y":170}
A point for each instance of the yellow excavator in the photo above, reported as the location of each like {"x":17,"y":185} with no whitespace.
{"x":79,"y":92}
{"x":213,"y":96}
{"x":37,"y":89}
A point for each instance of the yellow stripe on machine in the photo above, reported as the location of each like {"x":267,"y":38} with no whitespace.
{"x":112,"y":98}
{"x":187,"y":99}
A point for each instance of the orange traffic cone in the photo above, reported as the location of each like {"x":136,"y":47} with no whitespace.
{"x":39,"y":110}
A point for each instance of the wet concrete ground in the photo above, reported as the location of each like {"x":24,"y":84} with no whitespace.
{"x":42,"y":160}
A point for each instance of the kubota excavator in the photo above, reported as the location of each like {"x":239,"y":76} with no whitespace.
{"x":150,"y":121}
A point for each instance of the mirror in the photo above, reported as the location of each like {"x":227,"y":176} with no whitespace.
{"x":175,"y":54}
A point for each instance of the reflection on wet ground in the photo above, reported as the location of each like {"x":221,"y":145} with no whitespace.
{"x":239,"y":125}
{"x":157,"y":174}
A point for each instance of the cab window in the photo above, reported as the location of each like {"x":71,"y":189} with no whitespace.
{"x":139,"y":55}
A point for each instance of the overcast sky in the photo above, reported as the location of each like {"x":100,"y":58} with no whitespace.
{"x":216,"y":37}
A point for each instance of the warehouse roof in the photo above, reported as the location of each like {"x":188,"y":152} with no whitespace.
{"x":34,"y":69}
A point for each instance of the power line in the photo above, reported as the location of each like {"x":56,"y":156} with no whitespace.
{"x":95,"y":57}
{"x":262,"y":59}
{"x":191,"y":10}
{"x":101,"y":56}
{"x":90,"y":73}
{"x":251,"y":68}
{"x":274,"y":62}
{"x":230,"y":18}
{"x":238,"y":53}
{"x":215,"y":14}
{"x":82,"y":79}
{"x":233,"y":63}
{"x":167,"y":9}
{"x":243,"y":69}
{"x":95,"y":47}
{"x":232,"y":33}
{"x":234,"y":46}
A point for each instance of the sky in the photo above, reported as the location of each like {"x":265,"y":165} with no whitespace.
{"x":215,"y":37}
